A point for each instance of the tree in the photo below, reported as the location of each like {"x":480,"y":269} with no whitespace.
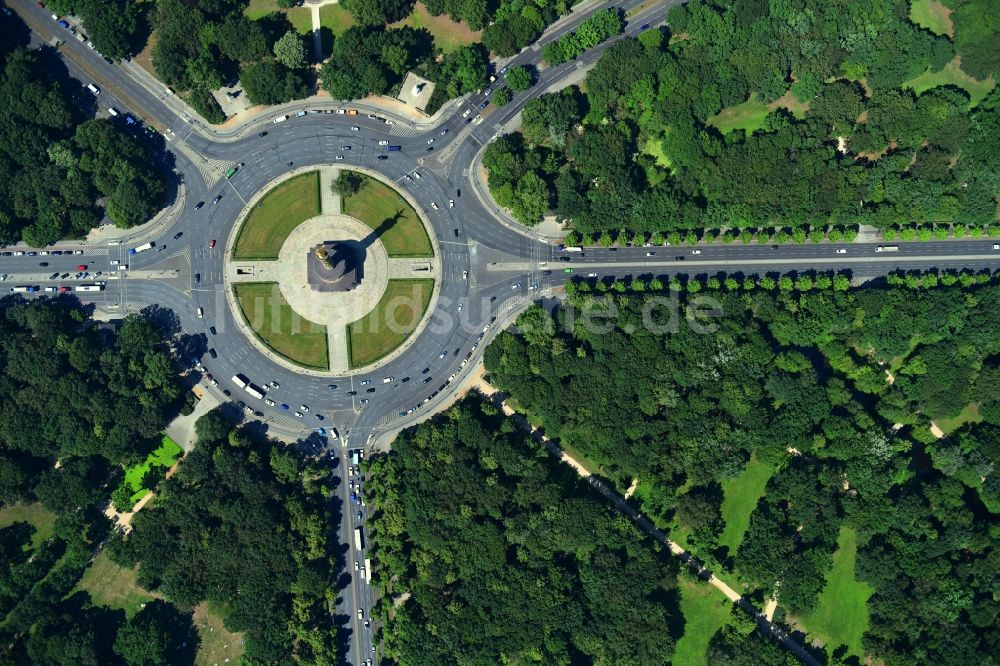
{"x":519,"y":78}
{"x":378,"y":12}
{"x":348,"y":183}
{"x":289,"y":50}
{"x":151,"y":637}
{"x":271,"y":83}
{"x":502,"y":97}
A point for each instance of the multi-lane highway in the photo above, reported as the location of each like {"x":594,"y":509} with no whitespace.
{"x":507,"y":268}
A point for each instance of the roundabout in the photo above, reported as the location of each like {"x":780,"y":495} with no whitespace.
{"x":331,"y":294}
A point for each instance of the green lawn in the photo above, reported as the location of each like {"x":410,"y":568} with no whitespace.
{"x":217,"y":643}
{"x":841,"y":614}
{"x":934,"y":16}
{"x":114,"y":586}
{"x":968,"y":415}
{"x":386,"y":327}
{"x":35,"y":514}
{"x":280,"y":327}
{"x":164,"y":456}
{"x":741,"y":495}
{"x":299,"y":17}
{"x":705,"y":611}
{"x":336,"y":18}
{"x":952,"y":74}
{"x":377,"y":203}
{"x":748,"y":116}
{"x":448,"y":35}
{"x":285,"y":207}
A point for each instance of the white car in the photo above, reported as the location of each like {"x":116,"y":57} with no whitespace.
{"x":339,"y":157}
{"x":269,"y":402}
{"x":364,"y":401}
{"x":591,"y":274}
{"x":355,"y":128}
{"x":408,"y":179}
{"x":341,"y":112}
{"x":417,"y":175}
{"x":516,"y":285}
{"x":842,"y":250}
{"x":465,"y":275}
{"x":304,"y":408}
{"x":274,"y":384}
{"x":434,"y":205}
{"x":383,"y":142}
{"x":298,"y":414}
{"x":695,"y":251}
{"x":201,"y":313}
{"x":388,"y":380}
{"x":451,"y":203}
{"x":430,"y":140}
{"x":996,"y":246}
{"x":357,"y":566}
{"x":442,"y":354}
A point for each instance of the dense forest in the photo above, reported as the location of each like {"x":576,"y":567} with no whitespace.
{"x":55,"y":161}
{"x":244,"y":524}
{"x":76,"y":403}
{"x":832,"y":113}
{"x":505,"y":556}
{"x":840,"y":392}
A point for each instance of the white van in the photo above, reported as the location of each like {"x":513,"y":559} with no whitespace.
{"x":280,"y":119}
{"x":113,"y":112}
{"x":94,"y":89}
{"x":201,"y":313}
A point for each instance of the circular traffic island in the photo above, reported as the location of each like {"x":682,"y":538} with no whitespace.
{"x":331,"y":275}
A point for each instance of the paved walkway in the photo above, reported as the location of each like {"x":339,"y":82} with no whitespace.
{"x":330,"y":202}
{"x":314,"y":6}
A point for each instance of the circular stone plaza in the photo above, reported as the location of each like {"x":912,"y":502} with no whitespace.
{"x":331,"y":284}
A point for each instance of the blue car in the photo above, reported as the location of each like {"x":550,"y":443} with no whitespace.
{"x":352,"y":497}
{"x":284,"y":406}
{"x":321,"y":432}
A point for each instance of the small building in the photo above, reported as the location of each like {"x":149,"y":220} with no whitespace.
{"x":416,"y":91}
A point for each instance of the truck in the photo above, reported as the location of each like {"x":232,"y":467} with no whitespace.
{"x":280,"y":119}
{"x":352,"y":112}
{"x":230,"y":172}
{"x":89,"y":287}
{"x":572,"y":248}
{"x":355,"y":460}
{"x":142,"y":248}
{"x":241,"y":381}
{"x":254,"y":391}
{"x":368,"y":570}
{"x":24,"y":289}
{"x":393,"y":148}
{"x":887,"y":248}
{"x":357,"y":538}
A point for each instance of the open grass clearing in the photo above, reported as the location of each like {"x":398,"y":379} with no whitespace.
{"x":748,"y":116}
{"x":448,"y":35}
{"x":392,"y":218}
{"x":841,"y":613}
{"x":933,"y":15}
{"x":391,"y":322}
{"x":218,"y":645}
{"x":970,"y":414}
{"x":335,"y":18}
{"x":280,"y":327}
{"x":115,"y":586}
{"x":164,"y":456}
{"x":285,"y":207}
{"x":705,"y":611}
{"x":299,"y":17}
{"x":952,"y":74}
{"x":740,"y":499}
{"x":35,"y":514}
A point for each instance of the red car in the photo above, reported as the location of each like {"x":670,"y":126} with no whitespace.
{"x":63,"y":289}
{"x":211,"y":243}
{"x":81,"y":267}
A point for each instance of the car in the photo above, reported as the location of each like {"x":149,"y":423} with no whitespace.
{"x":516,"y":285}
{"x":43,"y":263}
{"x":680,"y":257}
{"x":269,"y":402}
{"x":389,"y":379}
{"x":332,"y":387}
{"x":345,"y":147}
{"x":6,"y":254}
{"x":361,"y":613}
{"x":54,"y":276}
{"x":341,"y":112}
{"x":366,"y":382}
{"x":996,"y":246}
{"x":352,"y":393}
{"x":451,"y":203}
{"x":32,"y":254}
{"x":383,"y":142}
{"x":416,"y":174}
{"x":304,"y":408}
{"x":383,"y":157}
{"x":564,"y":259}
{"x":434,"y":205}
{"x":77,"y":251}
{"x":178,"y":235}
{"x":370,"y":390}
{"x":355,"y":128}
{"x":339,"y":157}
{"x":695,"y":251}
{"x":443,"y":354}
{"x":201,"y":313}
{"x":644,"y":26}
{"x":467,"y":112}
{"x":444,"y":131}
{"x":161,"y":248}
{"x":299,"y":414}
{"x":213,"y":353}
{"x":353,"y":497}
{"x":842,"y":250}
{"x":81,"y":267}
{"x":275,"y":385}
{"x":49,"y":289}
{"x":430,"y":140}
{"x":301,"y":113}
{"x":372,"y":116}
{"x":357,"y":565}
{"x":211,"y":329}
{"x":63,"y":289}
{"x":262,"y":134}
{"x":364,"y":401}
{"x":198,"y":205}
{"x":285,"y":407}
{"x":197,"y":278}
{"x":56,"y":253}
{"x":483,"y":106}
{"x":465,"y":275}
{"x":650,"y":254}
{"x":429,"y":149}
{"x":217,"y":199}
{"x":211,"y":243}
{"x":43,"y":253}
{"x":591,"y":275}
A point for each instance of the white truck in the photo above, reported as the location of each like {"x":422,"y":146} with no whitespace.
{"x":254,"y":391}
{"x":241,"y":381}
{"x":357,"y":539}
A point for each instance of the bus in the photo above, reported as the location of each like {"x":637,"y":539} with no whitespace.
{"x":89,"y":287}
{"x":254,"y":391}
{"x":241,"y":381}
{"x":357,"y":538}
{"x":24,"y":289}
{"x":393,"y":148}
{"x":142,"y":248}
{"x":368,"y":570}
{"x":230,"y":172}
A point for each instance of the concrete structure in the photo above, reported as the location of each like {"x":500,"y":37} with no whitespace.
{"x":416,"y":91}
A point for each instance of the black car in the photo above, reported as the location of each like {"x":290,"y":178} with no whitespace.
{"x":564,"y":259}
{"x":332,"y":387}
{"x":425,"y":371}
{"x":178,"y":235}
{"x":679,"y":257}
{"x":43,"y":263}
{"x":262,"y":134}
{"x":213,"y":353}
{"x":217,"y":199}
{"x":198,"y":205}
{"x":371,"y":390}
{"x":197,"y":278}
{"x":457,"y":233}
{"x":211,"y":329}
{"x":430,"y":149}
{"x":383,"y":157}
{"x":352,"y":393}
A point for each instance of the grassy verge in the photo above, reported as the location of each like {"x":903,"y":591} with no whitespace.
{"x":841,"y":615}
{"x":952,"y":75}
{"x":448,"y":35}
{"x":164,"y":456}
{"x":281,"y":328}
{"x":394,"y":220}
{"x":741,"y":496}
{"x":114,"y":586}
{"x":35,"y":514}
{"x":705,"y":611}
{"x":335,"y":18}
{"x":285,"y":207}
{"x":394,"y":318}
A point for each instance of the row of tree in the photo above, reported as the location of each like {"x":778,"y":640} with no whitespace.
{"x":842,"y":137}
{"x":60,"y":171}
{"x":799,"y":382}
